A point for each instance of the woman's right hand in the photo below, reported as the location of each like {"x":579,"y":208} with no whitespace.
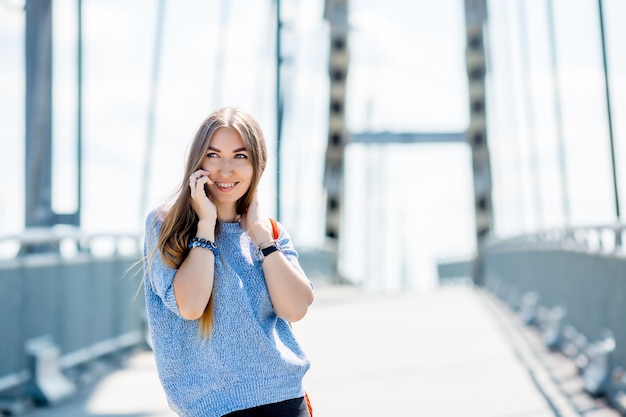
{"x":200,"y":201}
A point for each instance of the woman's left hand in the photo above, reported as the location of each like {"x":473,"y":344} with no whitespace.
{"x":258,"y":227}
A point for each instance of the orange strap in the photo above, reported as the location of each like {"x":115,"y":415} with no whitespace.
{"x":308,"y":403}
{"x":275,"y":230}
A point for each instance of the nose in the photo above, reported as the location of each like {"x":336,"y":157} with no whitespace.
{"x":225,"y":167}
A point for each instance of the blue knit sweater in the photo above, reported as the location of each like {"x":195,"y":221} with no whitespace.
{"x":252,"y":357}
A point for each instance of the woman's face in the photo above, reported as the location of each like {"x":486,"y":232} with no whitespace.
{"x":230,"y":168}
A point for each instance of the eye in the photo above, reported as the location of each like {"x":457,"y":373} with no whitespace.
{"x":241,"y":156}
{"x":212,"y":155}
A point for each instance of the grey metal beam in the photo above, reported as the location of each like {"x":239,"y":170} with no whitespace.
{"x":395,"y":137}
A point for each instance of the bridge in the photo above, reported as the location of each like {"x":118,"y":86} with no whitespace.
{"x":526,"y":316}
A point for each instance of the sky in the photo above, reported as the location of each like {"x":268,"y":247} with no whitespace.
{"x":406,"y":74}
{"x":522,"y":113}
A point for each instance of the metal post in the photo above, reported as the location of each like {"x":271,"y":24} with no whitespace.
{"x":38,"y":163}
{"x":79,"y":114}
{"x":279,"y":108}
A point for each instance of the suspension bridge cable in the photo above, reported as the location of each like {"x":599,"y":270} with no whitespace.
{"x":558,"y":115}
{"x":152,"y":103}
{"x":518,"y":166}
{"x":607,"y":92}
{"x":529,"y":110}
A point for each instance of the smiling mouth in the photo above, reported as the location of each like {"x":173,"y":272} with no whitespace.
{"x":225,"y":186}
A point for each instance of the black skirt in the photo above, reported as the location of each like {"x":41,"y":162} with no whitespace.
{"x":296,"y":407}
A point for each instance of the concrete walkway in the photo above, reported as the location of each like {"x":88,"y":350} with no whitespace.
{"x":450,"y":352}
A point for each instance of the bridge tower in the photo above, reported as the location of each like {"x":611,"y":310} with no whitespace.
{"x":336,"y":13}
{"x":475,"y":18}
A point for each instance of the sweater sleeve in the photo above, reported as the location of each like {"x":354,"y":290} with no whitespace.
{"x":286,"y":246}
{"x":159,"y":276}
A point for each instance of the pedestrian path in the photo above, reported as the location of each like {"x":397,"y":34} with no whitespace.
{"x":435,"y":354}
{"x":449,"y":352}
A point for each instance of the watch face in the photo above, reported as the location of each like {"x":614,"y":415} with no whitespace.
{"x":266,"y":251}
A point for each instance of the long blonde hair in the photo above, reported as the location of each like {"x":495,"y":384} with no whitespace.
{"x":180,"y":222}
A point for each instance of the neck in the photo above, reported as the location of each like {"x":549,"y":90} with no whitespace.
{"x":228,"y":214}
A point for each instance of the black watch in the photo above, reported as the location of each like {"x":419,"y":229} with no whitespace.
{"x":268,"y":249}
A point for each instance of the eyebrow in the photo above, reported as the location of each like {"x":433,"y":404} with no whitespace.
{"x":234,"y":150}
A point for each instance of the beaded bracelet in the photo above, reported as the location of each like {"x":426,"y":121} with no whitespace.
{"x":203,"y":243}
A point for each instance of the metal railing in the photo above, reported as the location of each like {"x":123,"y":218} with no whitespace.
{"x":82,"y":296}
{"x":571,"y":284}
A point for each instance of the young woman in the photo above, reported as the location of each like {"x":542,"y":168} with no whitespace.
{"x":220,"y":289}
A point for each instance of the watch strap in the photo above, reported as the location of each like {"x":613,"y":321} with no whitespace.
{"x":269,"y":249}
